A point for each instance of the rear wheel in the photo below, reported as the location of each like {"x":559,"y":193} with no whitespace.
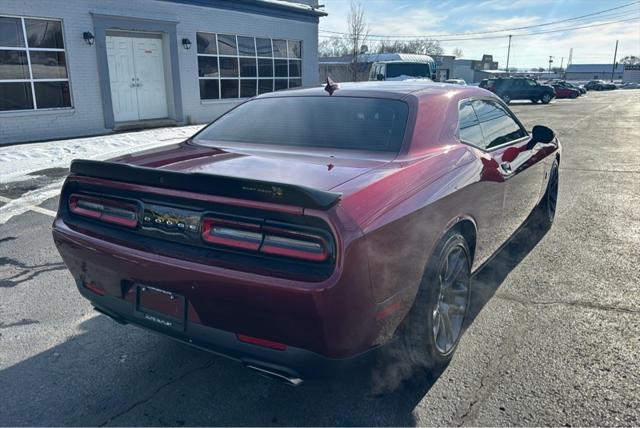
{"x":430,"y":334}
{"x":506,"y":98}
{"x":546,"y":98}
{"x":574,"y":95}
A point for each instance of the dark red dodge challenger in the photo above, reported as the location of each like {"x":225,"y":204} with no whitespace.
{"x":306,"y":228}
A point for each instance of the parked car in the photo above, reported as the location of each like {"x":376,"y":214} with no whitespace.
{"x":563,"y":91}
{"x":304,"y":229}
{"x":456,"y":81}
{"x":566,"y":84}
{"x":519,"y":88}
{"x":630,"y":85}
{"x":404,"y":70}
{"x":599,"y":85}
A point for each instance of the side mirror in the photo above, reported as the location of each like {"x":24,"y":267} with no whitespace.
{"x":379,"y":76}
{"x":542,"y":134}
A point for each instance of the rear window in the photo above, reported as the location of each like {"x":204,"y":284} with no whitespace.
{"x":331,"y":122}
{"x":408,"y":69}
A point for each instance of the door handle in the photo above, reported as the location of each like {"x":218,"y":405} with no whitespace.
{"x":506,"y":167}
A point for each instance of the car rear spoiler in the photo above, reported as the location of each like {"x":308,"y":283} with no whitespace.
{"x":233,"y":187}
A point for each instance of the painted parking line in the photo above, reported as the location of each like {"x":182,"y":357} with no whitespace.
{"x":15,"y":207}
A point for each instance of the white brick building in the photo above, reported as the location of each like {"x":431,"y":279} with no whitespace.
{"x":82,"y":67}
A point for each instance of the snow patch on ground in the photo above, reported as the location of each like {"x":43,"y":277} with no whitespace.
{"x":16,"y":162}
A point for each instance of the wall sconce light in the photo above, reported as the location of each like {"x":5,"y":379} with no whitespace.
{"x":88,"y":38}
{"x":186,"y":43}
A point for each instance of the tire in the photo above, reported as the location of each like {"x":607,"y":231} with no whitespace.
{"x":546,"y":98}
{"x":422,"y":341}
{"x":506,"y":98}
{"x":534,"y":101}
{"x":574,"y":95}
{"x":546,"y":209}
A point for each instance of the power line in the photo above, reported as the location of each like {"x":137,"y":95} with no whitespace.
{"x":560,"y":30}
{"x":492,"y":31}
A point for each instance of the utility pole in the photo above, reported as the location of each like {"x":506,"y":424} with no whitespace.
{"x":508,"y":53}
{"x":550,"y":61}
{"x":613,"y":67}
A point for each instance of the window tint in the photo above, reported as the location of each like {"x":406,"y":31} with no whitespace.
{"x":248,"y":67}
{"x":52,"y":94}
{"x":469,"y":126}
{"x":345,"y":123}
{"x":15,"y":96}
{"x":228,"y":67}
{"x":271,"y":64}
{"x":246,"y":46}
{"x":206,"y":43}
{"x":279,"y":48}
{"x":11,"y":32}
{"x":36,"y":65}
{"x":42,"y":33}
{"x":498,"y":127}
{"x":48,"y":65}
{"x":13,"y":65}
{"x":227,"y":44}
{"x":264,"y":47}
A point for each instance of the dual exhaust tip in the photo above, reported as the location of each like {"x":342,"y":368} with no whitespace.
{"x":272,"y":374}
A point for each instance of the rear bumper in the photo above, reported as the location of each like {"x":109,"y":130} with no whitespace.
{"x":291,"y":362}
{"x":324,"y":325}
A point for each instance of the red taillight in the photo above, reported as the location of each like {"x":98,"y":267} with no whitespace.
{"x":264,"y":239}
{"x":246,"y":236}
{"x":292,"y":244}
{"x":107,"y":210}
{"x":261,"y":342}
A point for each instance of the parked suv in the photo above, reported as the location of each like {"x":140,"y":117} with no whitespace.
{"x":518,"y":88}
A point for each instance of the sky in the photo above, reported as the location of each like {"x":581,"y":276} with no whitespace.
{"x":438,"y":18}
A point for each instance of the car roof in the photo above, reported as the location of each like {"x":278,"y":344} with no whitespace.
{"x":382,"y":89}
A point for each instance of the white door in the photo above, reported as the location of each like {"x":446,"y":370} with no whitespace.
{"x":122,"y":76}
{"x":149,"y":64}
{"x":136,"y":74}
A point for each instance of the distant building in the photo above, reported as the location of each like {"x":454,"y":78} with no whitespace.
{"x":594,"y":71}
{"x":472,"y":70}
{"x":444,"y":66}
{"x":631,"y":73}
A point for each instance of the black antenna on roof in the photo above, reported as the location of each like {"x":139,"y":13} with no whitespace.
{"x":331,"y":86}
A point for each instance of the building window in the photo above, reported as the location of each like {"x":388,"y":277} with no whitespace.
{"x":33,"y":65}
{"x":231,"y":66}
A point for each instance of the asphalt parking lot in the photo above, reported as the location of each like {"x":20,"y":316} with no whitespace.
{"x":555,"y":338}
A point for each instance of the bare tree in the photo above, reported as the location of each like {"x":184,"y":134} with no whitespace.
{"x":333,"y":46}
{"x":630,"y":59}
{"x":414,"y":46}
{"x":358,"y":34}
{"x":457,"y":52}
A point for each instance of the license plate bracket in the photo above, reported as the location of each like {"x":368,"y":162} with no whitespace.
{"x":160,"y":307}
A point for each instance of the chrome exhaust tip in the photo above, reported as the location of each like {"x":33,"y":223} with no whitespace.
{"x":289,"y":380}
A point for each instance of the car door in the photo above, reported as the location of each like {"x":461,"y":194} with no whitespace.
{"x":484,"y":199}
{"x":519,"y":162}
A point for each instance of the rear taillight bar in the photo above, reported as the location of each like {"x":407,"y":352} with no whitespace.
{"x":104,"y":209}
{"x":264,"y":239}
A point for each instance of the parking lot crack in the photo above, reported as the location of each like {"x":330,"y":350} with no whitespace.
{"x":573,"y":303}
{"x":492,"y":372}
{"x":156,"y":391}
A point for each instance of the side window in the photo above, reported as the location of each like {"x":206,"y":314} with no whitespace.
{"x":498,"y":127}
{"x":469,"y":126}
